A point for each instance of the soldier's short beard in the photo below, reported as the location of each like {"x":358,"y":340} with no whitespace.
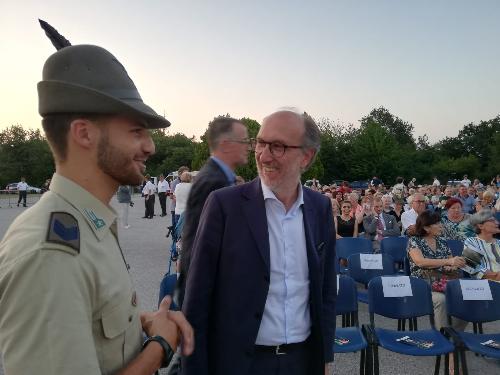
{"x":116,"y":163}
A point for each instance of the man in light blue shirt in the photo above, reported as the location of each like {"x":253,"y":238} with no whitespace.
{"x":261,"y":287}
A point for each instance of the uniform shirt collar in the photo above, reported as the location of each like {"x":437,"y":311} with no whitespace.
{"x":268,"y":194}
{"x":99,"y":217}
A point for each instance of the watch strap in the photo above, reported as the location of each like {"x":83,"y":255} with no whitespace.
{"x":168,"y":353}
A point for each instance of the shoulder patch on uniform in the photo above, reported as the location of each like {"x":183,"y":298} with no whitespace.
{"x":64,"y":230}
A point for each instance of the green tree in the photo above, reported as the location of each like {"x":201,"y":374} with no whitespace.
{"x":24,"y":152}
{"x":400,"y":130}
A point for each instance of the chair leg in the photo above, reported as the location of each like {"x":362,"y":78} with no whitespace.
{"x":465,"y":371}
{"x":369,"y":360}
{"x":362,"y":362}
{"x":438,"y":365}
{"x":399,"y":324}
{"x":447,"y":364}
{"x":375,"y":359}
{"x":455,"y":362}
{"x":403,"y":325}
{"x":415,"y":324}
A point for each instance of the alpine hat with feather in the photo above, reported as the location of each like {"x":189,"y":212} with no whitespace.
{"x":88,"y":79}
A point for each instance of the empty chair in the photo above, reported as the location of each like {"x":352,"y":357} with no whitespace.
{"x":396,"y":247}
{"x":350,"y":337}
{"x":363,"y":275}
{"x":477,"y":312}
{"x":428,"y":342}
{"x":351,"y":245}
{"x":456,"y":247}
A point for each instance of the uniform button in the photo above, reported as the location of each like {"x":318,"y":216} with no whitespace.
{"x":130,"y":318}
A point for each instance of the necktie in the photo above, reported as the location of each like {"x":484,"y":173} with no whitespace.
{"x":380,"y":227}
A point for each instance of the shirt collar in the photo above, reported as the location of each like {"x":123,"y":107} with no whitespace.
{"x":231,"y":177}
{"x":99,"y":216}
{"x":269,"y":194}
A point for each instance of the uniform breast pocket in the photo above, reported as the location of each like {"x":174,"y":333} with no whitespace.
{"x":112,"y":344}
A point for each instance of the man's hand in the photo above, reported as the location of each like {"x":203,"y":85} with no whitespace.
{"x":169,"y":324}
{"x":411,"y":230}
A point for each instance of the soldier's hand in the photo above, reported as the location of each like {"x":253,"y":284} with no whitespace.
{"x":171,"y":325}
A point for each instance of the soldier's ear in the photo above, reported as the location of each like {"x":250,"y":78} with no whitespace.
{"x":83,"y":133}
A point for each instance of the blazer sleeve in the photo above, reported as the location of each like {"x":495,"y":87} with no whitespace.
{"x":200,"y":283}
{"x":329,"y":287}
{"x":370,"y":225}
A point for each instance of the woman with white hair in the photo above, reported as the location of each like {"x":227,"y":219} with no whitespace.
{"x":486,"y":226}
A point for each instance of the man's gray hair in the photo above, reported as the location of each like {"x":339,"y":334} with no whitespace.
{"x":221,"y":126}
{"x":312,"y":135}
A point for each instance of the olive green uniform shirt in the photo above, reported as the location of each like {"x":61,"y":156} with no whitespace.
{"x":67,"y":304}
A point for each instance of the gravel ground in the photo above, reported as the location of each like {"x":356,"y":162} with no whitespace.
{"x":146,"y":249}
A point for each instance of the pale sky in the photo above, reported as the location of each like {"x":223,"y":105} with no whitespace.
{"x":433,"y":63}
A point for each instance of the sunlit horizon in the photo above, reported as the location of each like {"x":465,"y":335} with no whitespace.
{"x":432,"y":64}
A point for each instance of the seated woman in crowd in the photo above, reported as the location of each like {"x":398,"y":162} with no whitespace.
{"x":456,"y":224}
{"x":430,"y":259}
{"x":346,"y":225}
{"x":485,"y":200}
{"x":486,"y":226}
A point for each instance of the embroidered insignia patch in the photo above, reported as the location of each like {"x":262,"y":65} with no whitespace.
{"x":63,"y":229}
{"x":97,"y":222}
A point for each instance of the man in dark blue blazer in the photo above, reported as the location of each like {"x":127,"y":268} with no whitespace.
{"x":261,"y":287}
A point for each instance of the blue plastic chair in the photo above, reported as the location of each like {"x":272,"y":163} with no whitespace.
{"x":411,"y":307}
{"x":456,"y":247}
{"x":167,"y":287}
{"x":364,"y":276}
{"x":396,"y":247}
{"x":347,"y":246}
{"x":347,"y":306}
{"x":477,"y":312}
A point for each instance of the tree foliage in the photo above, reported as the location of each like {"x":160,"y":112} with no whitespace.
{"x":383,"y":145}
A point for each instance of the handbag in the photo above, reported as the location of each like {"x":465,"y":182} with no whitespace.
{"x":439,"y":278}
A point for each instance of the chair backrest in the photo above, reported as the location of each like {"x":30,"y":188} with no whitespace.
{"x":472,"y":311}
{"x":419,"y":304}
{"x":456,"y":247}
{"x":365,"y":275}
{"x":352,"y":245}
{"x":167,"y":287}
{"x":395,"y":247}
{"x":347,"y":298}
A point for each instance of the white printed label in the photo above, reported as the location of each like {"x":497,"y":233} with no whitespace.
{"x":371,"y":261}
{"x":476,"y":290}
{"x":396,"y":286}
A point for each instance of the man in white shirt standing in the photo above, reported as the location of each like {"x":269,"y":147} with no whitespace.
{"x":163,"y":187}
{"x":409,"y":218}
{"x":436,"y":182}
{"x":149,"y":198}
{"x":22,"y":188}
{"x":465,"y":181}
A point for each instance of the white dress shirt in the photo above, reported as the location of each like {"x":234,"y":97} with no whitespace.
{"x":149,"y":188}
{"x":286,"y":318}
{"x":408,"y":218}
{"x":163,"y":186}
{"x":22,"y":186}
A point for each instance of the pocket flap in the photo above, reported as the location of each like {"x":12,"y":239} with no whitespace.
{"x":116,"y":321}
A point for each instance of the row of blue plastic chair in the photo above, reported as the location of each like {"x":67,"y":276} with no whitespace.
{"x":393,"y":246}
{"x":368,"y":338}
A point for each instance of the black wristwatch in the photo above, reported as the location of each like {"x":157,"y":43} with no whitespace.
{"x":168,"y":353}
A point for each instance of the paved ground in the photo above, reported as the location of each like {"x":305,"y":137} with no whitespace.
{"x":146,"y":249}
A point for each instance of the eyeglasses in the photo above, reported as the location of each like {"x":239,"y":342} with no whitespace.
{"x":277,"y":149}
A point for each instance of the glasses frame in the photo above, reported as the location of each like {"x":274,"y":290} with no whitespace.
{"x":272,"y":147}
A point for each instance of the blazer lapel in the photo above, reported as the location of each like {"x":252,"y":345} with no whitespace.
{"x":314,"y":250}
{"x":254,"y":210}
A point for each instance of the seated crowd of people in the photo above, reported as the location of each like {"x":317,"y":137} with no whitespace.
{"x":429,"y":216}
